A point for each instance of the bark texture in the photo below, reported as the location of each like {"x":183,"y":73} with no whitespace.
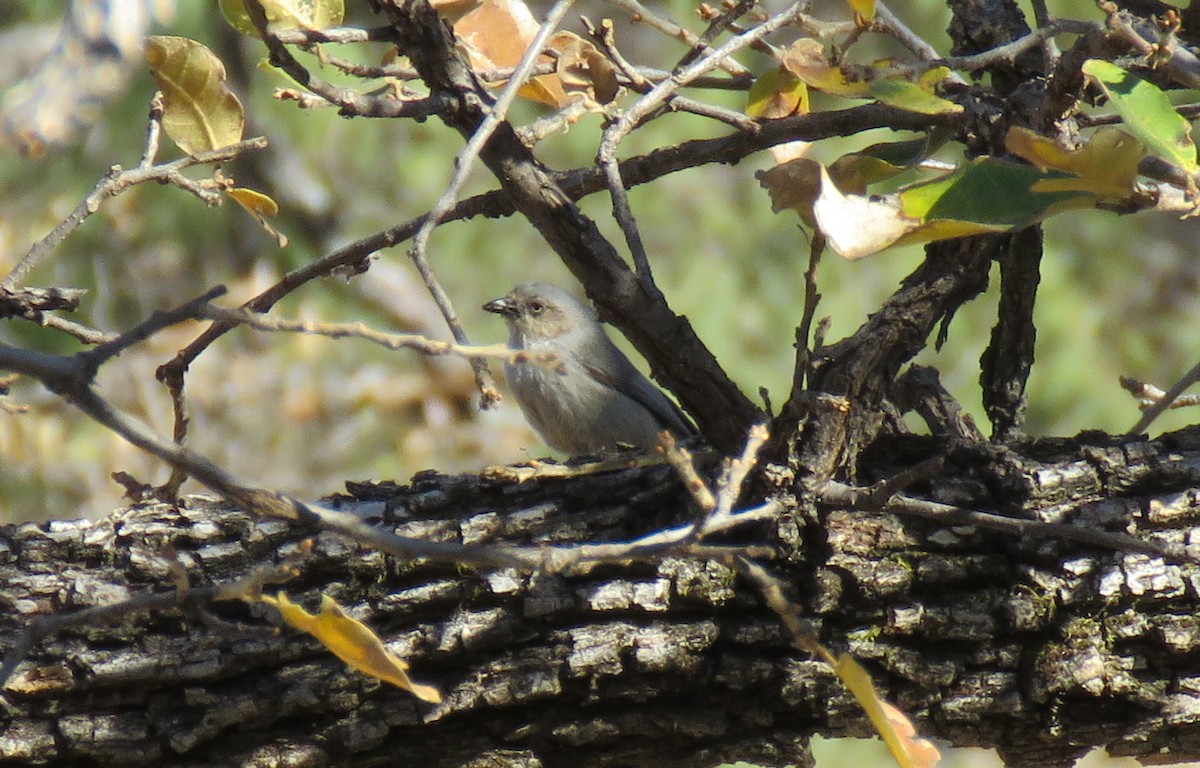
{"x":1039,"y":648}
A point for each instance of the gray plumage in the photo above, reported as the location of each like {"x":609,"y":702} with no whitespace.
{"x":596,"y":399}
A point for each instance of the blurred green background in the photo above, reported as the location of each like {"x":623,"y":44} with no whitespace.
{"x":305,"y":414}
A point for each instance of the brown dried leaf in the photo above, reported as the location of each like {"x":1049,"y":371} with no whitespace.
{"x":495,"y":35}
{"x":583,"y":70}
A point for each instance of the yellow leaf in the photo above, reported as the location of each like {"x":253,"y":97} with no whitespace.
{"x":896,"y":729}
{"x":946,"y":229}
{"x":864,"y":11}
{"x":806,"y":60}
{"x":931,"y":78}
{"x":261,"y":207}
{"x":286,"y":14}
{"x":199,"y":112}
{"x":777,"y":93}
{"x":1106,"y":166}
{"x":353,"y":642}
{"x":255,"y":202}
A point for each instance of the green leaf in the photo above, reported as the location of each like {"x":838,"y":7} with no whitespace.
{"x":989,"y":192}
{"x":912,"y":97}
{"x":911,"y":152}
{"x":1147,"y":113}
{"x":199,"y":112}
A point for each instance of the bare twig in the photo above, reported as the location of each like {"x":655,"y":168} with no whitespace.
{"x":78,"y":330}
{"x":308,"y":37}
{"x":94,"y":358}
{"x":805,"y":347}
{"x":888,"y":23}
{"x":681,"y":460}
{"x":643,"y":109}
{"x":716,"y":26}
{"x":638,"y":81}
{"x":733,"y":476}
{"x":1180,"y":63}
{"x":349,"y":102}
{"x":640,"y":13}
{"x":788,"y":611}
{"x":998,"y":55}
{"x":1041,"y":16}
{"x":1162,"y":403}
{"x":116,"y":181}
{"x":1148,"y":395}
{"x":463,"y":164}
{"x":392,"y":341}
{"x":496,"y":115}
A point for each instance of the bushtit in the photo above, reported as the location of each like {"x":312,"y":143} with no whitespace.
{"x":596,"y":398}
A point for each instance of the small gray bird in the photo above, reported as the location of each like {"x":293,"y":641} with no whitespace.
{"x":596,"y":398}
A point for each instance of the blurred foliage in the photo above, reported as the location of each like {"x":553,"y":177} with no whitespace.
{"x":304,"y":414}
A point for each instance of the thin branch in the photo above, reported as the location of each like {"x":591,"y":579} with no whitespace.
{"x":1161,"y":404}
{"x":1148,"y":394}
{"x":731,"y":117}
{"x":94,"y":358}
{"x":576,"y":184}
{"x":541,"y":470}
{"x":1000,"y":54}
{"x":153,"y":131}
{"x":1041,"y":16}
{"x":805,"y":347}
{"x":733,"y":477}
{"x":116,"y":181}
{"x":659,"y":95}
{"x":801,"y":631}
{"x":463,"y":164}
{"x":716,"y":26}
{"x":681,"y":460}
{"x":308,"y":37}
{"x":637,"y":80}
{"x":642,"y":109}
{"x":391,"y":341}
{"x":348,"y":101}
{"x":888,"y":23}
{"x":639,"y":13}
{"x":77,"y":330}
{"x":1180,"y":63}
{"x":465,"y":160}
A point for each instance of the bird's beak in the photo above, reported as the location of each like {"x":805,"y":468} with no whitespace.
{"x":501,"y":306}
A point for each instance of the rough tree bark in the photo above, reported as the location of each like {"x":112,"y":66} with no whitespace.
{"x":1039,"y":648}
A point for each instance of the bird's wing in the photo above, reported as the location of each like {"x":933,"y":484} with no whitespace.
{"x":631,"y":383}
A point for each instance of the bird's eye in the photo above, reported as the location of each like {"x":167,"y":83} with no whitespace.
{"x":536,"y":308}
